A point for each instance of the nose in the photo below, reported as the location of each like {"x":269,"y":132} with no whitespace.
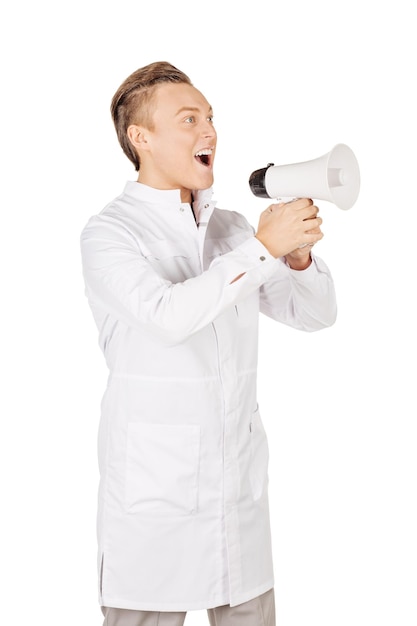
{"x":208,"y":129}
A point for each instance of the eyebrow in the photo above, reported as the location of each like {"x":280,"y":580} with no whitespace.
{"x":182,"y":109}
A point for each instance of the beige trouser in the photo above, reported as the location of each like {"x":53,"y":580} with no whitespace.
{"x":257,"y":612}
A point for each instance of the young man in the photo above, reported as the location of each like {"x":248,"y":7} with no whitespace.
{"x":176,"y":286}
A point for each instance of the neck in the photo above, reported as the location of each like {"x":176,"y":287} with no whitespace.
{"x":185,"y":194}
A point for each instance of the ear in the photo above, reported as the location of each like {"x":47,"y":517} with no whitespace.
{"x":137,"y":136}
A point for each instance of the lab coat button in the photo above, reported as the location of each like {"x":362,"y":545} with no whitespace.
{"x":262,"y":258}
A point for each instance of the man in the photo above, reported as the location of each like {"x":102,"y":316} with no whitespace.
{"x":176,"y":286}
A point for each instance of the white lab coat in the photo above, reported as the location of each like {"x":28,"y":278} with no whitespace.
{"x":183,"y":519}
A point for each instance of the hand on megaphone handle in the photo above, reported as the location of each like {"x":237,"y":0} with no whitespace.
{"x":285,"y":200}
{"x":286,"y":229}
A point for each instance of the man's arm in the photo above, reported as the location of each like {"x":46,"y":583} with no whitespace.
{"x":121,"y":281}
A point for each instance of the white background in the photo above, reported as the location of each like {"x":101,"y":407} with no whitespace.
{"x":287,"y":81}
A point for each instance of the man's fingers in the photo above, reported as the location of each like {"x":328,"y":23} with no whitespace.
{"x":315,"y":223}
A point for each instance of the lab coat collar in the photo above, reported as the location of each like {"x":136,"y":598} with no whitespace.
{"x":166,"y":197}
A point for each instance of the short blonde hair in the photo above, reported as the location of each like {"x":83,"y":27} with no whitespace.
{"x":131,"y":104}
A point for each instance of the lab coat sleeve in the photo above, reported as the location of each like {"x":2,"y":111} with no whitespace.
{"x":120,"y":281}
{"x":304,"y":299}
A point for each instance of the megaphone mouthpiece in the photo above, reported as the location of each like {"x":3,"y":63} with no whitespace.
{"x":257,"y":182}
{"x":333,"y":177}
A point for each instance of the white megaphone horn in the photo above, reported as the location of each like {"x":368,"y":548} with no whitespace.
{"x":333,"y":177}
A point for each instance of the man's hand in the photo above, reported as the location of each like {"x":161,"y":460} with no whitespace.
{"x":290,"y":230}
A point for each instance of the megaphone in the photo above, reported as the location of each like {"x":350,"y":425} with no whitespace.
{"x":334,"y":177}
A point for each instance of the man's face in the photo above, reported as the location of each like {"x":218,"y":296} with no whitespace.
{"x":180,"y":148}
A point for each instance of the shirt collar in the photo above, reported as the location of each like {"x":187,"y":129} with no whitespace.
{"x":166,"y":197}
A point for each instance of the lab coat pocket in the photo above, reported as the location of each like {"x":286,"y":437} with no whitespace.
{"x":259,"y":456}
{"x":162,"y":468}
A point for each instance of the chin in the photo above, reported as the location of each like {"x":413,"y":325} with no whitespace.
{"x":200,"y":181}
{"x":205,"y":183}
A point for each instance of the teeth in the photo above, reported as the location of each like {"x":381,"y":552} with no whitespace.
{"x":205,"y":152}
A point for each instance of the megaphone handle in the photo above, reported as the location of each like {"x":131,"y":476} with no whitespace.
{"x":286,"y":199}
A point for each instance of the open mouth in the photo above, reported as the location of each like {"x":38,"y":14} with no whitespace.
{"x":204,"y":156}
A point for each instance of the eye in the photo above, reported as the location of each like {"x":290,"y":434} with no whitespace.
{"x":210,"y":119}
{"x":190,"y":119}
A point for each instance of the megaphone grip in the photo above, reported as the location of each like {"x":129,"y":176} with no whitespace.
{"x":286,"y":200}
